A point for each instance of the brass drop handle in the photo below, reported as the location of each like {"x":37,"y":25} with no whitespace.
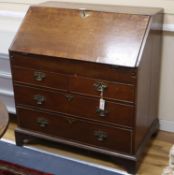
{"x":100,"y":135}
{"x":69,"y":97}
{"x":42,"y":122}
{"x":39,"y":76}
{"x":102,"y":113}
{"x":100,"y":86}
{"x":39,"y":99}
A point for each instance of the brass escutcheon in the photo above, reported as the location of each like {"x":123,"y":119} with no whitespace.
{"x":84,"y":13}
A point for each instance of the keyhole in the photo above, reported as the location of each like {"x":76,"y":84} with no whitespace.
{"x":83,"y":13}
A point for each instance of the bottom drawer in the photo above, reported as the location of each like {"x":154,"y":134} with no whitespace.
{"x":76,"y":130}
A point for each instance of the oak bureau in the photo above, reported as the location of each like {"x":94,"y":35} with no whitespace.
{"x":87,"y":76}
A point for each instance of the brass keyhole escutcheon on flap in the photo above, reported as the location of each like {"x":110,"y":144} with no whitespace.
{"x":39,"y":76}
{"x":84,"y":13}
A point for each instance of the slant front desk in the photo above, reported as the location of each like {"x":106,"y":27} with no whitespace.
{"x":88,"y":76}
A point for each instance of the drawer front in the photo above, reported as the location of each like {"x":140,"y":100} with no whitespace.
{"x":40,"y":78}
{"x":116,"y":91}
{"x":114,"y":113}
{"x":40,"y":98}
{"x":70,"y":128}
{"x":76,"y":105}
{"x":68,"y":66}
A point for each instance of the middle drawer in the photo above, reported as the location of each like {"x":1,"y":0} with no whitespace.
{"x":75,"y":105}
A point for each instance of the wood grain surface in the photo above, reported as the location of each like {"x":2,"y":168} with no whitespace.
{"x":103,"y":37}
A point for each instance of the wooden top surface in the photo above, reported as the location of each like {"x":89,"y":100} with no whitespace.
{"x":4,"y":119}
{"x":104,"y":8}
{"x":95,"y":36}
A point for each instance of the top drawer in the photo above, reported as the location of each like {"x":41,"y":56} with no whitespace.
{"x":76,"y":84}
{"x":40,"y":78}
{"x":109,"y":90}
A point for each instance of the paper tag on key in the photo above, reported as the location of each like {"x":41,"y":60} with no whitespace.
{"x":102,"y":104}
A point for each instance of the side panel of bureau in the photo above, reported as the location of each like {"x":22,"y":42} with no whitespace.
{"x":148,"y":85}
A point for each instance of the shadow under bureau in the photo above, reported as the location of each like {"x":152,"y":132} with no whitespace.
{"x":88,"y":76}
